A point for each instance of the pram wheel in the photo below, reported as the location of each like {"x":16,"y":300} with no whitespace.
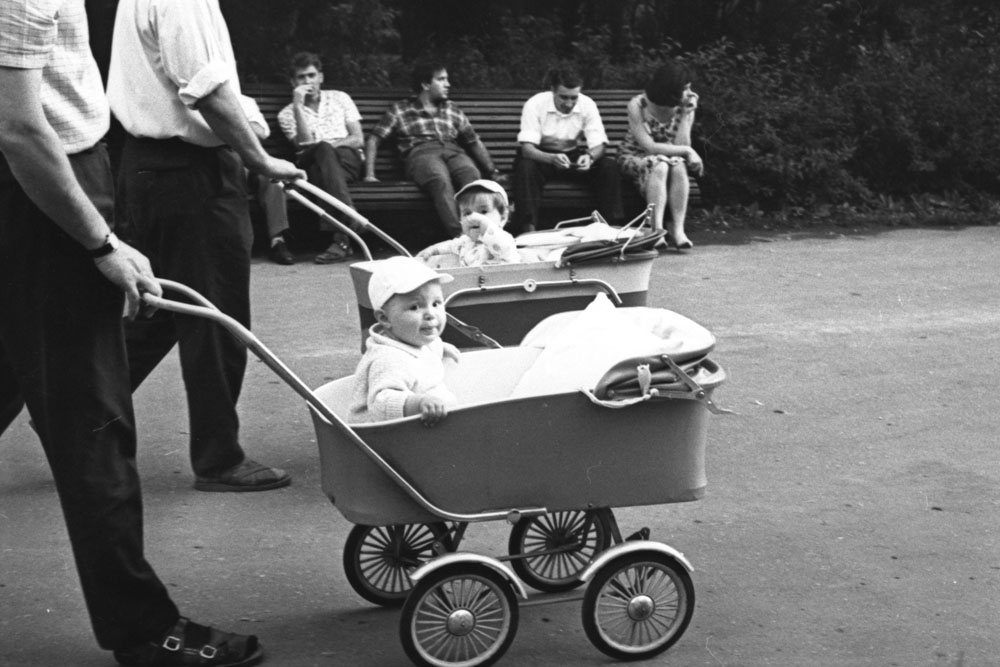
{"x":564,"y":543}
{"x":378,"y":559}
{"x":638,"y":605}
{"x":463,"y":614}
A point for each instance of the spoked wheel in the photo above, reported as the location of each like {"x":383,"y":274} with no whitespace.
{"x":638,"y":605}
{"x":463,"y":615}
{"x":556,"y":547}
{"x":378,"y":559}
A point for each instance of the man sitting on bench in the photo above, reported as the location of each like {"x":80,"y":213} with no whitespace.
{"x":435,"y":140}
{"x":562,"y":135}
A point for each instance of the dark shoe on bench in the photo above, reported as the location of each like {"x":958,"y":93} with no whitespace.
{"x":189,"y":644}
{"x":246,"y":476}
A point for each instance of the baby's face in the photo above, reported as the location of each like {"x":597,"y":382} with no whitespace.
{"x":417,"y":318}
{"x":476,"y":214}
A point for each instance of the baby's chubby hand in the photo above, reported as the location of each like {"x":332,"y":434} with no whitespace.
{"x":475,"y":225}
{"x":432,"y":409}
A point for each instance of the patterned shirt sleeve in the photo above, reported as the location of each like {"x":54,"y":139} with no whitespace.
{"x":351,"y":112}
{"x":466,"y":134}
{"x":52,"y":36}
{"x":27,"y":37}
{"x":286,"y":121}
{"x":388,"y":123}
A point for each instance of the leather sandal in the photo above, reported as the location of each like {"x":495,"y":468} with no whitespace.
{"x":338,"y":251}
{"x":246,"y":476}
{"x":189,"y":644}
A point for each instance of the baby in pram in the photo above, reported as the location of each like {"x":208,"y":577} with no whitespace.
{"x":483,"y":211}
{"x":402,"y":371}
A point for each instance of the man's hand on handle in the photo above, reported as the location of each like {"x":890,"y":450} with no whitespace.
{"x":280,"y":170}
{"x":129,"y":270}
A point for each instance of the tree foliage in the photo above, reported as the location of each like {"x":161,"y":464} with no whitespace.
{"x":803,"y":102}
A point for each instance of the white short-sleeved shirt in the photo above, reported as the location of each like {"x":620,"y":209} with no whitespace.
{"x":329,"y":122}
{"x":52,"y":35}
{"x":254,"y":116}
{"x":544,"y":125}
{"x":166,"y":55}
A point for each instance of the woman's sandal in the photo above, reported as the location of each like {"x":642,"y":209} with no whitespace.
{"x":672,"y":242}
{"x":338,"y":251}
{"x":189,"y":644}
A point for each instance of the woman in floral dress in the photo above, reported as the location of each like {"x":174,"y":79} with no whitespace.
{"x":656,"y":153}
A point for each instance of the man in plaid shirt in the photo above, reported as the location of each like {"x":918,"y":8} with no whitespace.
{"x":439,"y":146}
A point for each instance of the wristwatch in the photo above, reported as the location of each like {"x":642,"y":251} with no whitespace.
{"x":110,"y":244}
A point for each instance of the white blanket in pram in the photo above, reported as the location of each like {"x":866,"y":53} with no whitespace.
{"x":579,"y":347}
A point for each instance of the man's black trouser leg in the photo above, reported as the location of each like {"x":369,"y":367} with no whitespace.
{"x":188,"y":208}
{"x":62,"y":347}
{"x":530,"y":177}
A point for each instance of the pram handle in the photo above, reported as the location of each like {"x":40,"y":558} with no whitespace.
{"x":204,"y":308}
{"x":644,"y":218}
{"x":293,"y":187}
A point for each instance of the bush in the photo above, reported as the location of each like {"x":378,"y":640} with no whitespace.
{"x":925,"y":114}
{"x":769,"y":133}
{"x":845,"y":104}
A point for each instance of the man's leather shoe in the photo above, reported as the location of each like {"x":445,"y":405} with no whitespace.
{"x":279,"y":254}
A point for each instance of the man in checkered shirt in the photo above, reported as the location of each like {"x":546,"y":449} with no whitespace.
{"x":438,"y":144}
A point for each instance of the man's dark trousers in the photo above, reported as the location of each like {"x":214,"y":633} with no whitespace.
{"x":188,"y":208}
{"x":332,"y":168}
{"x":530,"y":177}
{"x":440,"y":169}
{"x":62,"y":351}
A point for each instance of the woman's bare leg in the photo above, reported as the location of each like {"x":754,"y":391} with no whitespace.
{"x":656,"y":192}
{"x":679,"y":190}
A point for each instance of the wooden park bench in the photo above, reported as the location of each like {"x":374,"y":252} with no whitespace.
{"x":496,"y":117}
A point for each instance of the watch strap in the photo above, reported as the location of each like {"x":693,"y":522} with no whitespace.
{"x":109,"y":246}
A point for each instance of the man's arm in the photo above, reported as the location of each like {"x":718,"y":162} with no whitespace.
{"x":39,"y":163}
{"x":304,"y":134}
{"x":477,"y":150}
{"x":355,"y":136}
{"x":597,"y":152}
{"x":531,"y":151}
{"x":224,"y":114}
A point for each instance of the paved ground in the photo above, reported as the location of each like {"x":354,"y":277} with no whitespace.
{"x":853,"y":503}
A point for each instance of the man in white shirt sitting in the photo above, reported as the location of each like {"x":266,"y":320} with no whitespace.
{"x":562,"y":135}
